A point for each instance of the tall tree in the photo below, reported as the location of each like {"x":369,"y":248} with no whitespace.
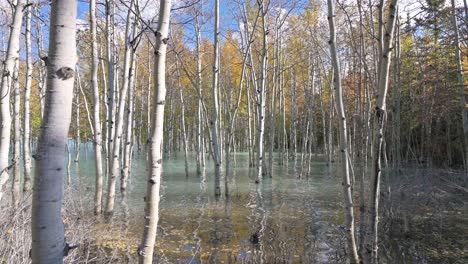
{"x":200,"y":135}
{"x":27,"y":93}
{"x":48,"y":241}
{"x":461,"y":81}
{"x":155,"y":140}
{"x":370,"y":251}
{"x":97,"y":110}
{"x":343,"y":140}
{"x":261,"y":92}
{"x":110,"y":81}
{"x":16,"y":138}
{"x":8,"y":69}
{"x":114,"y":162}
{"x":215,"y":113}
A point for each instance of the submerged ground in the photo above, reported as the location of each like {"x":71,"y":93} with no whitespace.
{"x":285,"y":219}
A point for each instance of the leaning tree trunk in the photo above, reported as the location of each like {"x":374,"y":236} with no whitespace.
{"x":27,"y":93}
{"x":146,"y":248}
{"x":97,"y":111}
{"x":370,"y":253}
{"x":347,"y":192}
{"x":214,"y":121}
{"x":77,"y":121}
{"x":48,"y":241}
{"x":12,"y":56}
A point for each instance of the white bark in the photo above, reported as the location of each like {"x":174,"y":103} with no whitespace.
{"x":182,"y":120}
{"x":275,"y":80}
{"x":17,"y":138}
{"x":114,"y":164}
{"x":261,"y":95}
{"x":111,"y":82}
{"x":42,"y":67}
{"x":85,"y":102}
{"x":155,"y":142}
{"x":48,"y":241}
{"x":127,"y":150}
{"x":27,"y":93}
{"x":347,"y":192}
{"x":77,"y":121}
{"x":148,"y":98}
{"x":11,"y":58}
{"x":68,"y":164}
{"x":370,"y":252}
{"x":200,"y":136}
{"x":96,"y":111}
{"x":214,"y":120}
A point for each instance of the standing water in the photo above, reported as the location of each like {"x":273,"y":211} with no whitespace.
{"x":284,"y":219}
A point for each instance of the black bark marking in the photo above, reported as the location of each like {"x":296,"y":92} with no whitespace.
{"x":65,"y":73}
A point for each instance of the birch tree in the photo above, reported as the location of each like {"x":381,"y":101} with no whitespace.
{"x":347,"y":192}
{"x":110,"y":81}
{"x":114,"y":162}
{"x":155,"y":160}
{"x":214,"y":120}
{"x":461,"y":82}
{"x":96,"y":110}
{"x":370,"y":252}
{"x":8,"y":69}
{"x":27,"y":93}
{"x":16,"y":138}
{"x":48,"y":241}
{"x":200,"y":136}
{"x":128,"y":141}
{"x":261,"y":94}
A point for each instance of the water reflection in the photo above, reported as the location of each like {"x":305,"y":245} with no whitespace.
{"x":285,"y":219}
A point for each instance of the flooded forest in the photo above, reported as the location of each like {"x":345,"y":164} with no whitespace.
{"x":241,"y":131}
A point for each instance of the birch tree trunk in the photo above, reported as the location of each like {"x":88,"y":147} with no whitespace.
{"x":261,"y":96}
{"x":146,"y":248}
{"x":68,"y":164}
{"x":182,"y":120}
{"x":272,"y":124}
{"x":96,"y":111}
{"x":214,"y":120}
{"x":86,"y":106}
{"x":110,"y":80}
{"x":77,"y":123}
{"x":11,"y":58}
{"x":42,"y":67}
{"x":148,"y":94}
{"x":17,"y":138}
{"x":347,"y":192}
{"x":114,"y":164}
{"x":370,"y":252}
{"x":200,"y":135}
{"x":250,"y":141}
{"x":48,"y":241}
{"x":27,"y":93}
{"x":461,"y":82}
{"x":127,"y":149}
{"x":397,"y":100}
